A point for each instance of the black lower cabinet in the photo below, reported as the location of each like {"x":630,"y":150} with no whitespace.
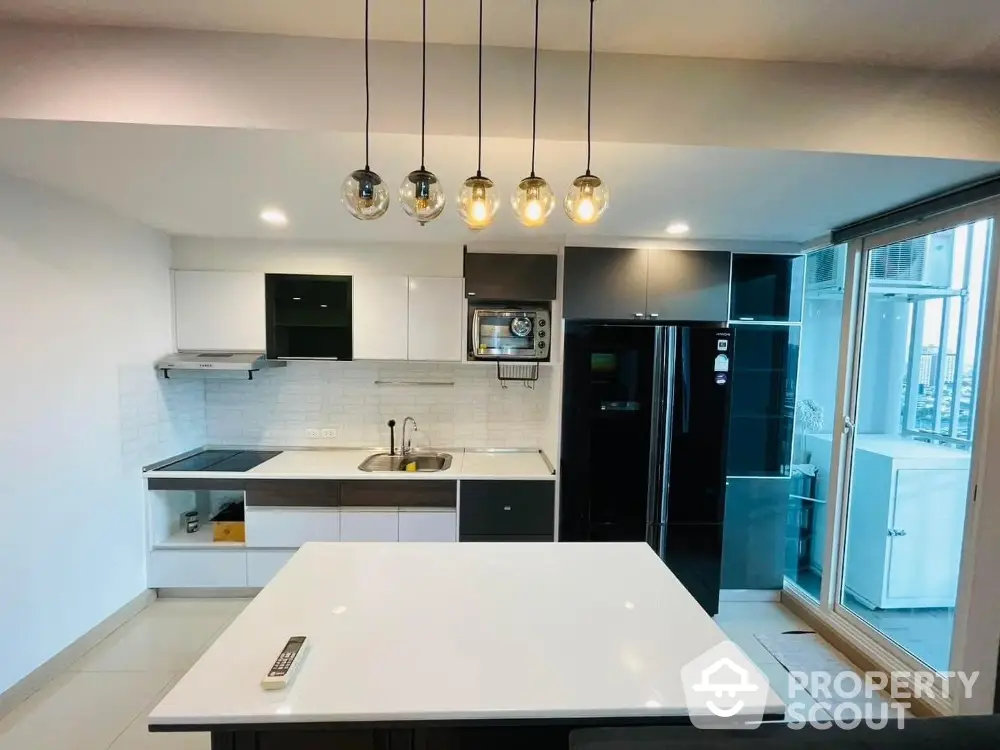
{"x":753,"y":553}
{"x":507,"y":511}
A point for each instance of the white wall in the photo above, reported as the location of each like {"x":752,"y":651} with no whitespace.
{"x":169,"y":77}
{"x":85,"y":308}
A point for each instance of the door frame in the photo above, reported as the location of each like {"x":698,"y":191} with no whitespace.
{"x":976,"y":631}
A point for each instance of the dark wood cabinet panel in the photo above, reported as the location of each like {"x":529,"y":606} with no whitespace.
{"x":767,"y":287}
{"x":402,"y":493}
{"x":506,"y":538}
{"x":688,"y":285}
{"x":295,"y":493}
{"x":507,"y":508}
{"x":516,"y":277}
{"x":602,"y":283}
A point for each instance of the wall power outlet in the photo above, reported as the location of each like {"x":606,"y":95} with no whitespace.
{"x":329,"y":432}
{"x":311,"y":433}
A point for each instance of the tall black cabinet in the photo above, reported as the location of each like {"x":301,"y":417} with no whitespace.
{"x":765,"y":316}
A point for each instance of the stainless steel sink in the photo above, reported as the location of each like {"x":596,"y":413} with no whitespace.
{"x":424,"y":462}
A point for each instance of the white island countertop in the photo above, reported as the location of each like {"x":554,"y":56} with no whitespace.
{"x":342,"y":463}
{"x":455,"y":632}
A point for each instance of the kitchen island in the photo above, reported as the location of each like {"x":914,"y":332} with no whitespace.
{"x":463,"y":645}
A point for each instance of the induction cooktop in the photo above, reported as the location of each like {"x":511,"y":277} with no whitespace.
{"x":220,"y":460}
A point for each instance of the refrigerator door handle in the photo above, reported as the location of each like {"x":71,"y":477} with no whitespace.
{"x":669,"y":396}
{"x":655,"y":431}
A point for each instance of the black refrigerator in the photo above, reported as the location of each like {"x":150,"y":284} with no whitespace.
{"x":644,"y":421}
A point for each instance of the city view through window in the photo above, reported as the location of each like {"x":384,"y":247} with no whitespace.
{"x":949,"y":327}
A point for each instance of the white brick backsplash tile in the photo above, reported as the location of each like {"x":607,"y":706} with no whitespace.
{"x":158,"y":418}
{"x":279,"y":405}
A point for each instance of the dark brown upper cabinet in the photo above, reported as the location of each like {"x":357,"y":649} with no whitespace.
{"x":630,"y":284}
{"x":688,"y":285}
{"x":510,"y":277}
{"x":767,"y":287}
{"x":603,"y":283}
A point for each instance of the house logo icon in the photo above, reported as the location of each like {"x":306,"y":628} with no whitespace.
{"x":724,"y":690}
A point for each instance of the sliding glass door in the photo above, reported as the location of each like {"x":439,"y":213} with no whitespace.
{"x":914,"y":386}
{"x":814,"y":425}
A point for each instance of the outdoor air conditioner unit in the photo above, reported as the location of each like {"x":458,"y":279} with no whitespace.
{"x":918,"y":267}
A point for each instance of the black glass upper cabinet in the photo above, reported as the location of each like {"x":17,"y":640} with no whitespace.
{"x":767,"y":288}
{"x":308,"y":317}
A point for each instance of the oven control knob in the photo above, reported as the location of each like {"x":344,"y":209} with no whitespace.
{"x":541,"y":334}
{"x":541,"y":323}
{"x":520,"y":327}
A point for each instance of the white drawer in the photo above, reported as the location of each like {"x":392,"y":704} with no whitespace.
{"x":427,"y":526}
{"x":207,"y":568}
{"x":369,"y":526}
{"x":291,"y":527}
{"x":263,"y":565}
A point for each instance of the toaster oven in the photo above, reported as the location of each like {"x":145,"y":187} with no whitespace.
{"x":508,"y":333}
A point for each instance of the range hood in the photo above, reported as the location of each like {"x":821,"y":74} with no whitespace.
{"x":236,"y":363}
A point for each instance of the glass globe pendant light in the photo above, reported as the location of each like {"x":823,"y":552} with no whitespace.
{"x":421,"y":194}
{"x":363,"y":193}
{"x":533,"y":200}
{"x":477,"y":200}
{"x":588,"y":196}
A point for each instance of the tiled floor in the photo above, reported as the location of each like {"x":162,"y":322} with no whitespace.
{"x":101,"y":703}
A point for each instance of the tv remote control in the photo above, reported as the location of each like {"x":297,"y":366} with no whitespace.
{"x":284,"y":667}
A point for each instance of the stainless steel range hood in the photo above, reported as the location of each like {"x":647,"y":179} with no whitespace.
{"x":233,"y":363}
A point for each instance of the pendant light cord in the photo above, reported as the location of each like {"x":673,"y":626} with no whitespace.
{"x":479,"y":160}
{"x":590,"y":81}
{"x":534,"y":95}
{"x":368,"y":106}
{"x":423,"y":88}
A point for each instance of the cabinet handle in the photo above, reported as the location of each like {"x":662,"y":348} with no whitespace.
{"x":640,"y":315}
{"x":506,"y":507}
{"x":654,"y":315}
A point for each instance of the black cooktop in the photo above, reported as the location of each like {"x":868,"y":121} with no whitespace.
{"x":220,"y":460}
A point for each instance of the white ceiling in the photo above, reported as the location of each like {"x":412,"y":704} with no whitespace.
{"x":214,"y":181}
{"x":918,"y":33}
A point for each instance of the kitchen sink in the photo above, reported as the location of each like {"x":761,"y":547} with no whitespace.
{"x":423,"y":461}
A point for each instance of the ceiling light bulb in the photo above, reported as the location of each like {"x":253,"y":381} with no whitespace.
{"x":274,"y":217}
{"x":478,"y":202}
{"x":364,"y":195}
{"x":678,"y":227}
{"x":586,"y":200}
{"x":533,"y":201}
{"x":421,"y":195}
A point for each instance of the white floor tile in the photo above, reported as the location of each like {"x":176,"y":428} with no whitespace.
{"x":82,"y":710}
{"x":167,"y":636}
{"x":138,"y":737}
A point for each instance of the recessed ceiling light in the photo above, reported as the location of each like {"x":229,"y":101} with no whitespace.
{"x":678,"y":227}
{"x":274,"y":217}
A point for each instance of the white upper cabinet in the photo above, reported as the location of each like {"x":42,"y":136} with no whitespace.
{"x":219,"y":311}
{"x":379,"y":317}
{"x":435,"y":319}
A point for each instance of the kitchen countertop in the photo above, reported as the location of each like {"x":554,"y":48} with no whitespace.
{"x":342,"y":463}
{"x":455,"y":632}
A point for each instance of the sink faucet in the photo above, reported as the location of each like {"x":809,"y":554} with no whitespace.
{"x":405,"y":444}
